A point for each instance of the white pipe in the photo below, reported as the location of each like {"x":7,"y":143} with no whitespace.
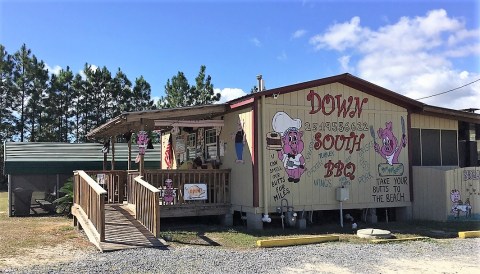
{"x":341,"y":213}
{"x":266,"y":218}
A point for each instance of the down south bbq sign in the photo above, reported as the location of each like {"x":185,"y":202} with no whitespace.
{"x":341,"y":140}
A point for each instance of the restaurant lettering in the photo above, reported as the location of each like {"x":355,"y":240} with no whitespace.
{"x":350,"y":106}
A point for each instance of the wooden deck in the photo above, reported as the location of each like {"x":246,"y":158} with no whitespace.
{"x":123,"y":231}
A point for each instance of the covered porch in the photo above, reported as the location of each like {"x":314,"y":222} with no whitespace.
{"x":186,"y":135}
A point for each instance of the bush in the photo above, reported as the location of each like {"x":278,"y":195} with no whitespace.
{"x":63,"y":204}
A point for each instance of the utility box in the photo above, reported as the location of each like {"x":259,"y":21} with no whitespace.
{"x":342,"y":194}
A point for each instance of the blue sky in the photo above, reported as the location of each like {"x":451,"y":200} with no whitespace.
{"x":416,"y":48}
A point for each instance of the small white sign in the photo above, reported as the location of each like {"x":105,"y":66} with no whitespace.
{"x":195,"y":191}
{"x":101,"y":179}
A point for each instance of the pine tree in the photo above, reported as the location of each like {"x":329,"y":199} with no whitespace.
{"x":204,"y":92}
{"x":34,"y":106}
{"x":78,"y":107}
{"x":23,"y":80}
{"x":141,"y":95}
{"x":123,"y":94}
{"x":179,"y":93}
{"x":58,"y":107}
{"x":7,"y":119}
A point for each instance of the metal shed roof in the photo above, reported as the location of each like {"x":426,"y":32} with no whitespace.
{"x":58,"y":158}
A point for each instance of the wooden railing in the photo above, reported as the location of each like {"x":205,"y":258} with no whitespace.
{"x":145,"y":197}
{"x":129,"y":190}
{"x":114,"y":183}
{"x":216,"y":180}
{"x":90,"y":198}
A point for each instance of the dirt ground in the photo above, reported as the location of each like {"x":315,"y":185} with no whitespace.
{"x":65,"y":252}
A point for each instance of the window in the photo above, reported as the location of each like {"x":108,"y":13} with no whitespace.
{"x":431,"y":147}
{"x":416,"y":147}
{"x":449,"y":148}
{"x":211,"y":146}
{"x":434,"y":147}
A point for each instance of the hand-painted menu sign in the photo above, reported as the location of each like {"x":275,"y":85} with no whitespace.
{"x":334,"y":148}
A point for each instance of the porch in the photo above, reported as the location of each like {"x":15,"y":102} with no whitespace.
{"x":108,"y":203}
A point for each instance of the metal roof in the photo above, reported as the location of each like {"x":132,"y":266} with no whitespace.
{"x":61,"y":152}
{"x":146,"y":119}
{"x":64,"y":158}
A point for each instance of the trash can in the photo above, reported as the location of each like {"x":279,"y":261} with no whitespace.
{"x":22,"y":201}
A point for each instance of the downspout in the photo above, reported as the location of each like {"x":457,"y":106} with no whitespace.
{"x":265,"y":218}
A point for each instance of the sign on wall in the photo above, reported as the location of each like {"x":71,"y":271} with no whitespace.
{"x":337,"y":139}
{"x":195,"y":192}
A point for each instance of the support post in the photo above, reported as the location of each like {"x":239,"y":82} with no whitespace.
{"x":9,"y":195}
{"x":341,"y":213}
{"x":129,"y":164}
{"x":104,"y":161}
{"x":113,"y":151}
{"x":57,"y":193}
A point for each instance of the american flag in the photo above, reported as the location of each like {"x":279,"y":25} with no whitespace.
{"x":169,"y":154}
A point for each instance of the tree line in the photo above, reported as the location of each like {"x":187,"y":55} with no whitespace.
{"x":38,"y":106}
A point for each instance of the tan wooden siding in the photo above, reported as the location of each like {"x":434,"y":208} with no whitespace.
{"x":433,"y":193}
{"x":429,"y":190}
{"x":467,"y":182}
{"x":242,"y":173}
{"x":316,"y":188}
{"x":430,"y":122}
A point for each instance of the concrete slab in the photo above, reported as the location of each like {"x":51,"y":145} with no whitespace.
{"x":374,"y":233}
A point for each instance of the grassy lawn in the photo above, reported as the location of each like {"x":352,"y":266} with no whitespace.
{"x":21,"y":234}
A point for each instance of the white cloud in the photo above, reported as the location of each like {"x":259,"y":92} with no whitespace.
{"x":256,"y":42}
{"x":228,"y":94}
{"x":55,"y":70}
{"x":155,"y":99}
{"x":339,"y":36}
{"x":298,"y":34}
{"x":283,"y":56}
{"x":413,"y":56}
{"x":344,"y":63}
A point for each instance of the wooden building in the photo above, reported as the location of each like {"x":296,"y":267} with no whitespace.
{"x":299,"y":144}
{"x":335,"y":143}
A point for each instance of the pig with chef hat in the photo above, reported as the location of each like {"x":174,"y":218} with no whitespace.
{"x":290,"y":151}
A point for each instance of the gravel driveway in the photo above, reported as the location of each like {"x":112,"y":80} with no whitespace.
{"x":431,"y":256}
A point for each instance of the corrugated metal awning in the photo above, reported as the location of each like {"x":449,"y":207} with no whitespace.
{"x":66,"y":152}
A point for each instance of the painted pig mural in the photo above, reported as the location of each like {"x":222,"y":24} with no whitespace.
{"x":291,"y":148}
{"x":391,"y":148}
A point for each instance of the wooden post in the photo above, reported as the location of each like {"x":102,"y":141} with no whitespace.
{"x":129,"y":164}
{"x":101,"y":218}
{"x":142,"y":157}
{"x":9,"y":195}
{"x":113,"y":151}
{"x":141,"y":165}
{"x":104,"y":161}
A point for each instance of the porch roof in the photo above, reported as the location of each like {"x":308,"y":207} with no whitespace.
{"x":159,"y":119}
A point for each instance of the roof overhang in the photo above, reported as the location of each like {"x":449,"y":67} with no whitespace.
{"x":195,"y":116}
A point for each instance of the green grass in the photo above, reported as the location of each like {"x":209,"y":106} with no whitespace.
{"x":3,"y":202}
{"x":240,"y":238}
